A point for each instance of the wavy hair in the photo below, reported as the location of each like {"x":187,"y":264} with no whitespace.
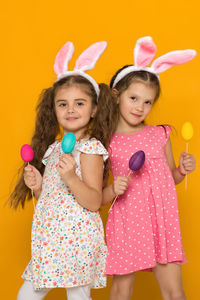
{"x":47,"y":128}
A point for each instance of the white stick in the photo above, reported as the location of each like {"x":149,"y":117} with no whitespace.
{"x":113,"y":203}
{"x":118,"y":195}
{"x":32,"y":195}
{"x":33,"y":198}
{"x":186,"y":174}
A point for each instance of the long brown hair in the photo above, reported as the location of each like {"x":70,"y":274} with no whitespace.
{"x":47,"y":128}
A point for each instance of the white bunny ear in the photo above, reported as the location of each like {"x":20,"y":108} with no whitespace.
{"x":89,"y":57}
{"x":144,"y":52}
{"x":171,"y":59}
{"x":63,"y":57}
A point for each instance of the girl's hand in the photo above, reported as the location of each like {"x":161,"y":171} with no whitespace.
{"x":32,"y":178}
{"x":66,"y":167}
{"x":187,"y":163}
{"x":120,"y":185}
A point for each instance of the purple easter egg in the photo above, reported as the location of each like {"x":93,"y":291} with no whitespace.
{"x":26,"y":153}
{"x":137,"y":160}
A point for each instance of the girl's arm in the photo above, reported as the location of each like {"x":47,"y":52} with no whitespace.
{"x":117,"y":188}
{"x":33,"y":180}
{"x":186,"y":163}
{"x":88,"y":191}
{"x":108,"y":194}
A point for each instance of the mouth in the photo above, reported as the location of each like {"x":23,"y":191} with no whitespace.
{"x":71,"y":118}
{"x":136,"y":115}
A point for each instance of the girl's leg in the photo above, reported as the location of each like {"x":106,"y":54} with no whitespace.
{"x":27,"y":292}
{"x":170,"y":281}
{"x":79,"y":293}
{"x":122,"y":287}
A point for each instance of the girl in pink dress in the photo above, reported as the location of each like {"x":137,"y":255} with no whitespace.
{"x":68,"y":246}
{"x":143,"y":231}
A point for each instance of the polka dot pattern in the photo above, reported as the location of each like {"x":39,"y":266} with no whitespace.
{"x":143,"y":226}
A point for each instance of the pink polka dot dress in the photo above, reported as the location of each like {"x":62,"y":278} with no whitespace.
{"x":143,"y":226}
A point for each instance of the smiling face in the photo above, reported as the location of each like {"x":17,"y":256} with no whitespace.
{"x":135,"y":104}
{"x":74,"y":109}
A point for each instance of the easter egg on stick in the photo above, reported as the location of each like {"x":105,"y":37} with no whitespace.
{"x":27,"y":153}
{"x":187,"y":133}
{"x":137,"y":160}
{"x":135,"y":163}
{"x":68,"y":142}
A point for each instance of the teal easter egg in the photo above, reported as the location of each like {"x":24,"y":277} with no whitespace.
{"x":68,"y":142}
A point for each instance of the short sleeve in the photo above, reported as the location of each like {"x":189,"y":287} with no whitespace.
{"x":93,"y":146}
{"x":48,"y":152}
{"x":167,"y":130}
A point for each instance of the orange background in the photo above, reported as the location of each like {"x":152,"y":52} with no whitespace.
{"x":32,"y":33}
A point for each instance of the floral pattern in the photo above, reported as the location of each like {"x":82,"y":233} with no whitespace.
{"x":68,"y":246}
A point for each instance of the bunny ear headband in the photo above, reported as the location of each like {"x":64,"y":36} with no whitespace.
{"x":145,"y":51}
{"x":86,"y":61}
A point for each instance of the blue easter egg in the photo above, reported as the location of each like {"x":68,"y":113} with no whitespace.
{"x":68,"y":142}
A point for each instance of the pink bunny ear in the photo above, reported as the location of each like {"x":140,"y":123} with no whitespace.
{"x":144,"y":52}
{"x":171,"y":59}
{"x":89,"y":57}
{"x":63,"y":57}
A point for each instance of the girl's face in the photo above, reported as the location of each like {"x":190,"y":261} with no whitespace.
{"x":135,"y":103}
{"x":74,"y":109}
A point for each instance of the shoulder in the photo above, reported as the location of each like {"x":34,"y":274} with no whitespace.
{"x":92,"y":146}
{"x":49,"y":151}
{"x":161,"y":131}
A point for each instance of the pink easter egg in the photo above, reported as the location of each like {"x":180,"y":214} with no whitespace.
{"x":26,"y":153}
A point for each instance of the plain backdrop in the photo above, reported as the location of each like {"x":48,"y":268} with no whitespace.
{"x":32,"y":32}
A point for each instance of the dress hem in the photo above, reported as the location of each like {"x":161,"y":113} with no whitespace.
{"x":64,"y":287}
{"x":149,"y":269}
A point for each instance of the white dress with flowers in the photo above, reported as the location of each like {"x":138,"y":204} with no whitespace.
{"x":68,"y":246}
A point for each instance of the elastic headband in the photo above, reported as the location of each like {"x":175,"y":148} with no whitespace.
{"x":145,"y":51}
{"x":86,"y":61}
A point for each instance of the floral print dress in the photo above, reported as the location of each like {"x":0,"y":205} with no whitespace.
{"x":68,"y":246}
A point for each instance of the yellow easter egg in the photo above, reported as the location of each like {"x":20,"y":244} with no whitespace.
{"x":187,"y":131}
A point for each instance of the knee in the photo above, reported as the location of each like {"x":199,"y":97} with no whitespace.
{"x":176,"y":295}
{"x":122,"y":291}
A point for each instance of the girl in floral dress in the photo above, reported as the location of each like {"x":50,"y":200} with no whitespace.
{"x":143,"y":231}
{"x":68,"y":247}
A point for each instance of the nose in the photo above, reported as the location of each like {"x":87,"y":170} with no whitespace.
{"x":140,"y":107}
{"x":70,"y":108}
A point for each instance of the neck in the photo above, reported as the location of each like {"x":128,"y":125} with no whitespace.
{"x":127,"y":128}
{"x":78,"y":134}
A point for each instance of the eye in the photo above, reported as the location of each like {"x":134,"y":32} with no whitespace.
{"x":133,"y":98}
{"x":79,"y":103}
{"x":62,"y":104}
{"x":148,"y":102}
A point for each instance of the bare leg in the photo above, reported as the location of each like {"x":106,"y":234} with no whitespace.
{"x":122,"y":287}
{"x":170,"y":281}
